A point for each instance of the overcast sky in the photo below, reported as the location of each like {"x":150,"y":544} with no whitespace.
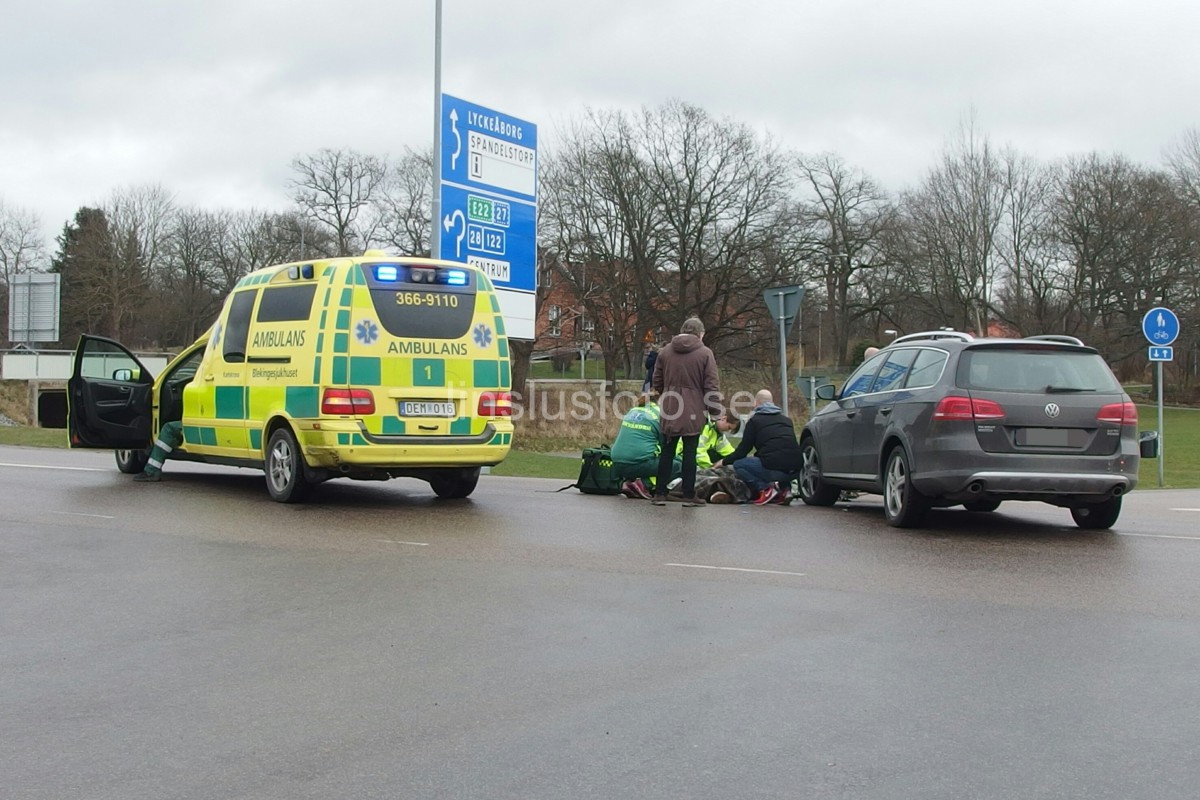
{"x":213,"y":98}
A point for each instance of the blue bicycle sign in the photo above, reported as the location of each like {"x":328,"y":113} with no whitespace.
{"x":1160,"y":326}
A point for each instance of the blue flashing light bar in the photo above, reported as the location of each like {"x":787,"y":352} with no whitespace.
{"x":387,"y":272}
{"x":454,"y":277}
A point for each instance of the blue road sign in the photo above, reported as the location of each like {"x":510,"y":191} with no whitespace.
{"x":489,"y":193}
{"x":1162,"y":353}
{"x":1160,"y":327}
{"x":495,"y":234}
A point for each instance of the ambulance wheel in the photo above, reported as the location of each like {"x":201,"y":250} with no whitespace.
{"x":285,"y":468}
{"x":132,"y":462}
{"x":452,"y":484}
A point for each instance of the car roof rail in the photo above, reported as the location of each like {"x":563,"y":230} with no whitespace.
{"x":1062,"y":338}
{"x":956,"y":335}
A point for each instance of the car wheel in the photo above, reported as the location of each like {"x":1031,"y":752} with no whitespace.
{"x":903,"y":505}
{"x":981,"y":506}
{"x":132,"y":462}
{"x":454,"y":484}
{"x":813,"y":489}
{"x":1096,"y":516}
{"x":285,"y":469}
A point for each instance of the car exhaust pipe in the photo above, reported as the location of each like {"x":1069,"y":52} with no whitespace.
{"x":1117,"y":490}
{"x":976,"y":487}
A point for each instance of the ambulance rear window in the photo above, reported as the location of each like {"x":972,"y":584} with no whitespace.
{"x":286,"y":303}
{"x":423,"y":310}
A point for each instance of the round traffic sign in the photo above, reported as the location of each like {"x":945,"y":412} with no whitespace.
{"x":1160,"y":326}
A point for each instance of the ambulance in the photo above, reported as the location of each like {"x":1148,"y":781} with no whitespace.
{"x":363,"y":368}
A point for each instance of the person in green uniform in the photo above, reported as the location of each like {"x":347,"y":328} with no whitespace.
{"x":636,"y":449}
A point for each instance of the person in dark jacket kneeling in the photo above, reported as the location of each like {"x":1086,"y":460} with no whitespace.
{"x":770,"y":435}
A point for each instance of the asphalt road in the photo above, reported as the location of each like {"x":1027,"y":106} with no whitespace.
{"x":193,"y":639}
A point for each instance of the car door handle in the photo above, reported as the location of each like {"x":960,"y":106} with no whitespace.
{"x":885,"y":410}
{"x":209,"y":377}
{"x":851,"y":414}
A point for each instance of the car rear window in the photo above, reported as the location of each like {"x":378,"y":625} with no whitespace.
{"x":1026,"y":369}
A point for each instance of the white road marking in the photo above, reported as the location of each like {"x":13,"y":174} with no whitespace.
{"x":1161,"y":536}
{"x":737,"y":569}
{"x":80,"y":514}
{"x":1185,"y":509}
{"x":395,"y":541}
{"x":47,"y":466}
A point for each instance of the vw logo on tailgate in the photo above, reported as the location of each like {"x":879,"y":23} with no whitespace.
{"x":1052,"y":410}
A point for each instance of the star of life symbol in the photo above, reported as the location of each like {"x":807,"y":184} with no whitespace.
{"x":366,"y":332}
{"x":483,"y":335}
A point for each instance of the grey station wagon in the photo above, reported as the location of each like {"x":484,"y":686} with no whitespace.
{"x":943,"y":418}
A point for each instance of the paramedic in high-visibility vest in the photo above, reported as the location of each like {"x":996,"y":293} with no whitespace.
{"x":714,"y":445}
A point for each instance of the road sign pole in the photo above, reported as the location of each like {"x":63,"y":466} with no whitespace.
{"x":1160,"y":425}
{"x":783,"y":352}
{"x":435,"y":238}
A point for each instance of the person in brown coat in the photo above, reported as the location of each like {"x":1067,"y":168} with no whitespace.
{"x":685,"y":379}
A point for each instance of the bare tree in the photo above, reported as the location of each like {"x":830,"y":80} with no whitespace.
{"x":338,"y":190}
{"x":21,"y":250}
{"x":592,"y":217}
{"x":956,"y":215}
{"x":405,"y":199}
{"x":843,"y":221}
{"x":141,"y":221}
{"x":720,"y":192}
{"x":1183,"y":162}
{"x":1030,"y":295}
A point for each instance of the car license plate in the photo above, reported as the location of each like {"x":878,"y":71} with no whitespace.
{"x":1044,"y":437}
{"x":410,"y":408}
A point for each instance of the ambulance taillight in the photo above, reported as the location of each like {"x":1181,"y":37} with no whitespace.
{"x":495,"y":404}
{"x":348,"y":401}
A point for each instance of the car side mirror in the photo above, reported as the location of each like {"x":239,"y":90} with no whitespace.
{"x":826,"y":391}
{"x":126,"y":374}
{"x":1148,"y":444}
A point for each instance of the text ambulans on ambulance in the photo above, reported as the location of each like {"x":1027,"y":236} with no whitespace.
{"x":364,"y":368}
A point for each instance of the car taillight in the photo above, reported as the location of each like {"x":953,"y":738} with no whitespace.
{"x":495,"y":404}
{"x":1118,"y":414}
{"x":348,"y":401}
{"x":967,"y":408}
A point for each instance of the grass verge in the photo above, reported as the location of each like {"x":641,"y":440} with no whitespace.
{"x":25,"y":436}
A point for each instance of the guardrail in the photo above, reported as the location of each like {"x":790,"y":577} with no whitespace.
{"x":55,"y":365}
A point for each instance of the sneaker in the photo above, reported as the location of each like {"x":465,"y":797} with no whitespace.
{"x":693,"y":502}
{"x":782,"y":498}
{"x":148,"y":477}
{"x":629,"y":490}
{"x":641,"y":489}
{"x":721,"y":498}
{"x":658,"y":500}
{"x":765,"y":496}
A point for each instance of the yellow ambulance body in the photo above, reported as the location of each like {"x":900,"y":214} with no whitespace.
{"x":365,"y":368}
